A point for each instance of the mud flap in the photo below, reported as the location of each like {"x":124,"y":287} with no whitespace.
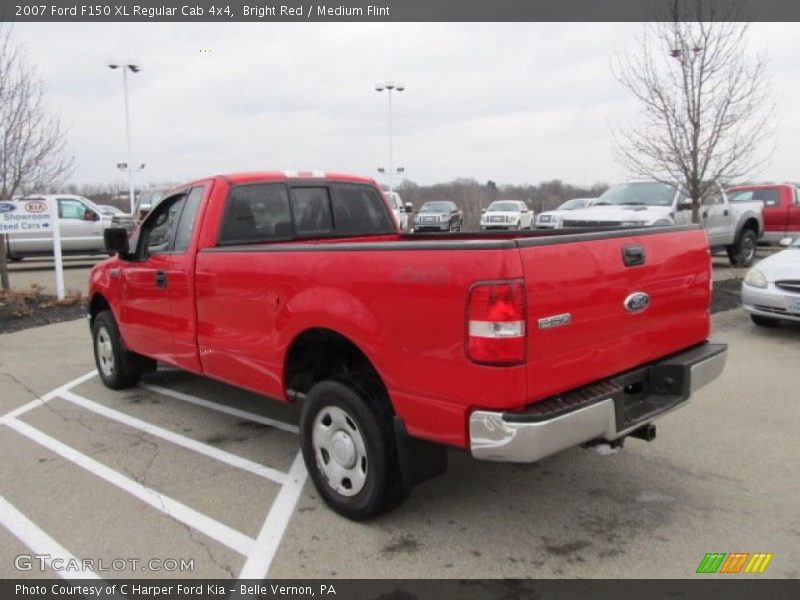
{"x":419,"y":460}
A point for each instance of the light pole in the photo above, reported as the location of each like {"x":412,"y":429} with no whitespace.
{"x":390,"y":86}
{"x":125,"y":66}
{"x":398,"y":170}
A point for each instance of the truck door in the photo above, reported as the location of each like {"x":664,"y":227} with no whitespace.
{"x":715,"y":216}
{"x":156,"y":285}
{"x":793,"y":224}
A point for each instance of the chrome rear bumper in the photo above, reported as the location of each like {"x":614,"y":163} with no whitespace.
{"x":607,"y":410}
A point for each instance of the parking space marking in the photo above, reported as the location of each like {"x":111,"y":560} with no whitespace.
{"x":172,"y":508}
{"x":177,"y":439}
{"x":221,"y":408}
{"x":259,"y":553}
{"x":27,"y":532}
{"x":269,"y":538}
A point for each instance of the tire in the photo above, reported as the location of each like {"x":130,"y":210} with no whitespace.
{"x":14,"y":258}
{"x":764,"y":321}
{"x":118,"y":368}
{"x":743,"y":252}
{"x":348,"y":444}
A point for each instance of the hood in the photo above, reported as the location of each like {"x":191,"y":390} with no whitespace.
{"x":502,"y":213}
{"x":783,"y":265}
{"x":616,"y":213}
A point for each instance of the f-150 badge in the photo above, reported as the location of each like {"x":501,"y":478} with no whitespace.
{"x":555,"y":321}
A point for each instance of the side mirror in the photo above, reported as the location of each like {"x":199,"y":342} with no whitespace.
{"x":409,"y":207}
{"x":116,"y":241}
{"x":786,"y":242}
{"x":483,"y":210}
{"x":685,"y":205}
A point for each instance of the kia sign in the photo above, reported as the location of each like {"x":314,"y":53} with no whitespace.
{"x":25,"y":216}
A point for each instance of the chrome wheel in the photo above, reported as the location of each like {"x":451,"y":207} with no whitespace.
{"x":339,"y":450}
{"x":105,"y":352}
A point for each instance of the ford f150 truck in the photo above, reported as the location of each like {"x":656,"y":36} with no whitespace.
{"x":734,"y":228}
{"x":301,"y":288}
{"x":781,"y":207}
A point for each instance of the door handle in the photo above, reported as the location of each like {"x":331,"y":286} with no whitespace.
{"x":705,"y":214}
{"x":633,"y":255}
{"x":161,"y":279}
{"x":725,"y":213}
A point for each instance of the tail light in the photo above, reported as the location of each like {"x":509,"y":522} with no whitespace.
{"x":496,"y":323}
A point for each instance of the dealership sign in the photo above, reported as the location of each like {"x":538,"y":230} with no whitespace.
{"x":25,"y":216}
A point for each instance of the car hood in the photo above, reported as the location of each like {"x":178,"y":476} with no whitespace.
{"x":783,"y":265}
{"x":617,"y":213}
{"x":502,"y":213}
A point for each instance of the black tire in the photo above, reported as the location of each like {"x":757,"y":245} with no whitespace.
{"x":118,"y":368}
{"x":743,"y":252}
{"x":764,"y":321}
{"x":372,"y":483}
{"x":14,"y":258}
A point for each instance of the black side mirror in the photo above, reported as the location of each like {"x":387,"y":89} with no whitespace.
{"x":685,"y":205}
{"x":116,"y":241}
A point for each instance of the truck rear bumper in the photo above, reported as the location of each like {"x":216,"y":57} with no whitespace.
{"x":606,"y":410}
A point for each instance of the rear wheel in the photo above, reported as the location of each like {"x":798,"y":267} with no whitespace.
{"x":349,"y":449}
{"x":743,"y":252}
{"x":118,"y":368}
{"x":764,"y":321}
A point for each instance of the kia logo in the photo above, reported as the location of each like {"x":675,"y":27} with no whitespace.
{"x":35,"y":206}
{"x":637,"y":302}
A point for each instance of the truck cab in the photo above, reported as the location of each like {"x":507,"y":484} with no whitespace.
{"x":781,"y":208}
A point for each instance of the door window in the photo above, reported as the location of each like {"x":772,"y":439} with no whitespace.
{"x":187,"y":219}
{"x":158,"y":231}
{"x":71,"y":209}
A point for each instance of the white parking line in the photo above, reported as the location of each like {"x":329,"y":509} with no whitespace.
{"x":177,"y":439}
{"x":172,"y":508}
{"x":221,"y":408}
{"x":27,"y":532}
{"x":269,"y":538}
{"x":37,"y":402}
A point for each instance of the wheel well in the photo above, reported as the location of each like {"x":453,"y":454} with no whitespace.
{"x":97,"y":305}
{"x":750,"y":223}
{"x":318,"y":354}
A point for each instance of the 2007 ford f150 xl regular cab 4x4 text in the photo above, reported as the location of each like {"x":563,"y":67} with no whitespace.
{"x":512,"y":346}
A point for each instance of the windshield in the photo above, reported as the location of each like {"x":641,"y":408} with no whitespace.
{"x":573,"y":204}
{"x":435,"y":207}
{"x":505,"y":206}
{"x":393,"y":198}
{"x":648,"y":193}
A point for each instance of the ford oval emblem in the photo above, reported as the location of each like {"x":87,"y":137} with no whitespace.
{"x":637,"y":302}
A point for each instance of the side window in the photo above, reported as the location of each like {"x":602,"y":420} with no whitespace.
{"x":311,"y":209}
{"x":187,"y":219}
{"x":71,"y":209}
{"x":359,"y":210}
{"x":768,"y":197}
{"x":256,"y":213}
{"x":712,"y":196}
{"x":159,"y":228}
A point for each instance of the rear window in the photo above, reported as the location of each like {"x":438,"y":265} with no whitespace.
{"x":770,"y":197}
{"x":359,"y":210}
{"x":256,"y":213}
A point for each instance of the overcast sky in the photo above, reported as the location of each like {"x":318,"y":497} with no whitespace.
{"x":515,"y":103}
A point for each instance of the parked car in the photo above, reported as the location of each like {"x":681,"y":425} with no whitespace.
{"x":771,"y":289}
{"x":439,"y":215}
{"x":81,"y":223}
{"x":399,"y":209}
{"x":507,"y":214}
{"x":781,"y":208}
{"x":551,"y":219}
{"x":109,"y":210}
{"x":302,"y":289}
{"x":734,"y":228}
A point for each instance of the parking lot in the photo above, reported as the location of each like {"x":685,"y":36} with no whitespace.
{"x":185,"y":470}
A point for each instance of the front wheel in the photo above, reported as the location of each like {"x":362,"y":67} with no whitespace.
{"x":349,"y":449}
{"x":118,"y":368}
{"x":743,"y":252}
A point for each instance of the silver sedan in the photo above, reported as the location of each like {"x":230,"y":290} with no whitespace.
{"x":771,"y":289}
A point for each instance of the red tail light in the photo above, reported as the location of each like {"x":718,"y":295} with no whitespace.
{"x":496,"y":323}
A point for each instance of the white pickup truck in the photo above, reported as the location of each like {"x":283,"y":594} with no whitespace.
{"x":81,"y":223}
{"x":734,"y":228}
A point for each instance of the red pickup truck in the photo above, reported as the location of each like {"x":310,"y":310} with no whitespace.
{"x":781,"y":207}
{"x":511,"y":345}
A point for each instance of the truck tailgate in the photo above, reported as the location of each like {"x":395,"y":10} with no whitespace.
{"x":579,"y":328}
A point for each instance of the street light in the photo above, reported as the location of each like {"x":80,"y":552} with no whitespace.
{"x":390,"y":86}
{"x":398,"y":170}
{"x":126,"y":66}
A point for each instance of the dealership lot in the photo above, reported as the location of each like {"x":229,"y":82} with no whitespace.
{"x":183,"y":468}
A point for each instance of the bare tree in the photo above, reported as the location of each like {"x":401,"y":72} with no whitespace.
{"x":707,"y":110}
{"x":32,"y":143}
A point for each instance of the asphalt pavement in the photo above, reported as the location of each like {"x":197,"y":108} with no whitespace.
{"x":182,"y":468}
